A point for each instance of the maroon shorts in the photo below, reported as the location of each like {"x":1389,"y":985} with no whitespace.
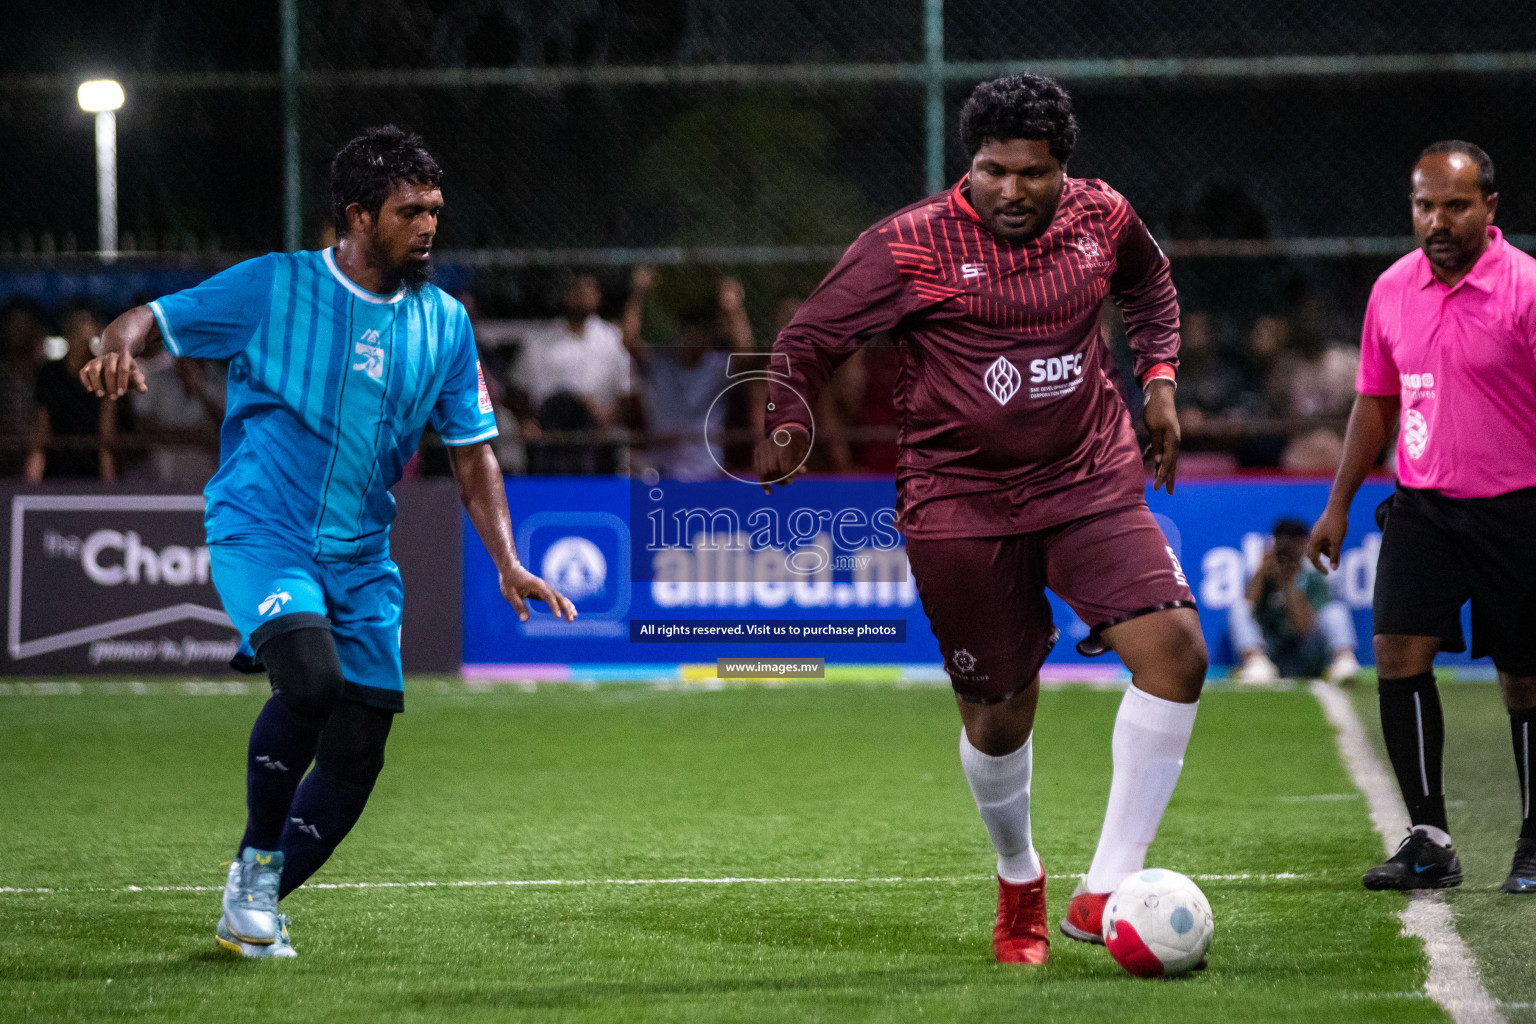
{"x":985,"y":596}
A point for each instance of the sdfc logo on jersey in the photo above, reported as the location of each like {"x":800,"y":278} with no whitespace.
{"x":972,"y":271}
{"x":373,"y":356}
{"x":1002,"y":380}
{"x":1415,"y":433}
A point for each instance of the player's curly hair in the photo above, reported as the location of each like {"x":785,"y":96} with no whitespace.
{"x":373,"y":165}
{"x":1019,"y":107}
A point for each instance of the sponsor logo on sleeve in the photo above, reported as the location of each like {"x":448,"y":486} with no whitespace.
{"x":485,"y":394}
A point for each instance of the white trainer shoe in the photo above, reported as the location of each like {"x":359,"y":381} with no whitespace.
{"x":1257,"y":668}
{"x":1343,"y":669}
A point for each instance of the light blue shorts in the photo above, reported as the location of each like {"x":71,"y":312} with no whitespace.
{"x":268,"y":590}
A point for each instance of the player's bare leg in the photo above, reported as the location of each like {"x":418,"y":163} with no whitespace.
{"x":1166,"y":655}
{"x":1520,"y":699}
{"x":998,"y":730}
{"x":998,"y":759}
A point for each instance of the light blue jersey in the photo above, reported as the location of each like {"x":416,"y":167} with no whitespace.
{"x":330,"y":387}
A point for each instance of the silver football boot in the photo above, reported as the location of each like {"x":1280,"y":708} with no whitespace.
{"x":278,"y":949}
{"x":250,"y":896}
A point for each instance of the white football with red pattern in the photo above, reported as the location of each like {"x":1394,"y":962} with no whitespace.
{"x":1157,"y":924}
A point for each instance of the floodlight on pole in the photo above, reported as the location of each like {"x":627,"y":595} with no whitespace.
{"x":103,"y":98}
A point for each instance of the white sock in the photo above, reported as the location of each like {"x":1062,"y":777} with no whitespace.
{"x":1148,"y":750}
{"x":1001,"y":788}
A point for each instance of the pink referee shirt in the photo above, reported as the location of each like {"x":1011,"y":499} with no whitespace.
{"x":1464,"y":361}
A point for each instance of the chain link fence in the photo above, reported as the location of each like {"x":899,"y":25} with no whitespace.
{"x":1267,"y":145}
{"x":587,"y":124}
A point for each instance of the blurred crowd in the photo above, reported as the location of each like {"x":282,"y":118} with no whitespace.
{"x":663,"y":370}
{"x":51,"y":427}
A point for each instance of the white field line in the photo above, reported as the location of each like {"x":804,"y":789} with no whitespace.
{"x":1454,"y":981}
{"x":1285,"y":876}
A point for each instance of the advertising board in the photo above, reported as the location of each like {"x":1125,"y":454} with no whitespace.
{"x":724,"y":554}
{"x":120,"y":583}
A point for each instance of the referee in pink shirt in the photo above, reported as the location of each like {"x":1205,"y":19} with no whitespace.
{"x":1449,"y":346}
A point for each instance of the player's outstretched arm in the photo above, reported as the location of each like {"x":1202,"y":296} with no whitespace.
{"x":112,"y":373}
{"x":863,"y":295}
{"x":485,"y":499}
{"x":1370,"y":421}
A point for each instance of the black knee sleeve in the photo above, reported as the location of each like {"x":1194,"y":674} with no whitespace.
{"x":352,"y":742}
{"x":305,"y":671}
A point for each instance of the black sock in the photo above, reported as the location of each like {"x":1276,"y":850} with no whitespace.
{"x":1414,"y":729}
{"x":1522,"y":729}
{"x":323,"y":812}
{"x":282,"y":745}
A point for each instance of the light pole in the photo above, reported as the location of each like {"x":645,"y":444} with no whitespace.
{"x":103,"y":98}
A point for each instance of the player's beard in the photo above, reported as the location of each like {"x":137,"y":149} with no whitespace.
{"x":415,"y":273}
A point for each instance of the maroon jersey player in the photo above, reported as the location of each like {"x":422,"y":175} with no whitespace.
{"x":1019,"y":467}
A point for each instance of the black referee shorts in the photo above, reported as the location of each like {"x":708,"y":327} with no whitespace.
{"x":1437,"y":553}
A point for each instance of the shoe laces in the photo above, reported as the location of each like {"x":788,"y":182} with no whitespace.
{"x":262,"y":880}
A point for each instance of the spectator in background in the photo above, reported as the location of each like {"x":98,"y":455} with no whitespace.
{"x":66,"y":411}
{"x":185,"y":396}
{"x":498,"y":344}
{"x":1288,"y":623}
{"x":682,"y":379}
{"x":1211,"y":385}
{"x":574,"y":373}
{"x":22,"y":330}
{"x":1317,"y":380}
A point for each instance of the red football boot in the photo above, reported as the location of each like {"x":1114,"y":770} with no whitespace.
{"x":1021,"y":935}
{"x":1085,"y":916}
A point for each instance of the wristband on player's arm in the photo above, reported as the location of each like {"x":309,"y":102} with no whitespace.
{"x":1162,"y":371}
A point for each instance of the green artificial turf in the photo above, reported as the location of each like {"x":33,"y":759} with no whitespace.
{"x":1483,"y":805}
{"x":101,"y":792}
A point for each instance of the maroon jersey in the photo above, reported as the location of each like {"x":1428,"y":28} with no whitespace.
{"x":1007,"y":419}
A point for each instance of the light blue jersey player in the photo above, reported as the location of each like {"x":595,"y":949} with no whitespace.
{"x":338,"y":360}
{"x":330,"y":386}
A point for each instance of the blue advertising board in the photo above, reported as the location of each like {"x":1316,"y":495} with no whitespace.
{"x":798,"y":572}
